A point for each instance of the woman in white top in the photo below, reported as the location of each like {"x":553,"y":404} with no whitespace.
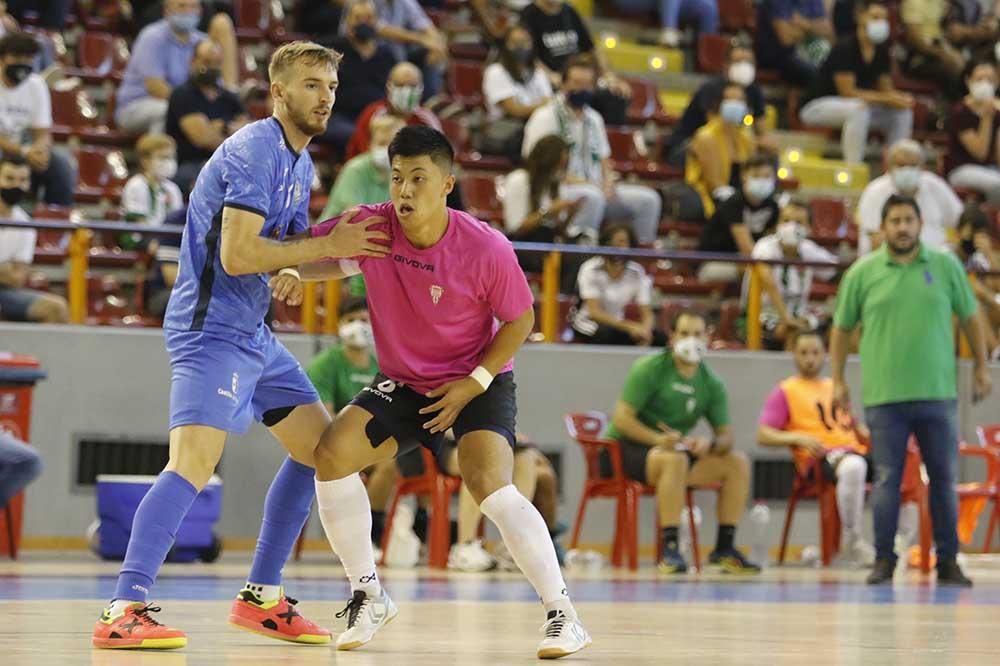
{"x":513,"y":87}
{"x":607,"y":285}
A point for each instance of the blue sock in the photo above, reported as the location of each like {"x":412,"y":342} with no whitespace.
{"x":153,"y":530}
{"x":289,"y":500}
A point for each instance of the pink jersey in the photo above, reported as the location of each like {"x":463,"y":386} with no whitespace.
{"x":434,"y":311}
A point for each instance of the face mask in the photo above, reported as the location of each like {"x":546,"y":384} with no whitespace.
{"x":983,"y":91}
{"x":968,"y":247}
{"x":12,"y":195}
{"x":742,"y":73}
{"x":523,"y":56}
{"x":165,"y":169}
{"x":907,"y":178}
{"x":184,"y":22}
{"x":364,"y":32}
{"x":405,"y":98}
{"x":356,"y":334}
{"x":791,"y":233}
{"x":208,"y":77}
{"x":758,"y":189}
{"x":380,"y":157}
{"x":878,"y":30}
{"x":733,"y":111}
{"x":580,"y":98}
{"x":16,"y":74}
{"x":690,"y":349}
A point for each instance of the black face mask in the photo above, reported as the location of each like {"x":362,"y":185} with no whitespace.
{"x":17,"y":73}
{"x":580,"y":98}
{"x":364,"y":32}
{"x":12,"y":195}
{"x":208,"y":77}
{"x":968,"y":247}
{"x":523,"y":56}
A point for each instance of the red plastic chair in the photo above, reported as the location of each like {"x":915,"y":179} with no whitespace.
{"x":102,"y":174}
{"x":712,"y":50}
{"x":465,"y":82}
{"x":252,"y":19}
{"x":101,"y":55}
{"x":989,"y":488}
{"x":586,"y":429}
{"x":630,"y":155}
{"x":439,"y":487}
{"x":737,"y":16}
{"x":644,"y":105}
{"x":807,"y":485}
{"x":480,"y":194}
{"x":458,"y":134}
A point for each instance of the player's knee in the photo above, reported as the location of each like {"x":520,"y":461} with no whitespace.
{"x":673,"y":465}
{"x":739,"y":464}
{"x":195,"y":463}
{"x":49,"y":309}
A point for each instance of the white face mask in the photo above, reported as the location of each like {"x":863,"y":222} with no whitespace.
{"x":878,"y":30}
{"x":690,"y":349}
{"x":405,"y":98}
{"x":742,"y":73}
{"x":356,"y":334}
{"x":758,"y":189}
{"x":906,"y":178}
{"x":983,"y":91}
{"x":791,"y":233}
{"x":380,"y":157}
{"x":165,"y":169}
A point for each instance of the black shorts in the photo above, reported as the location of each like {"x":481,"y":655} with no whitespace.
{"x":397,"y":407}
{"x":633,"y":460}
{"x":411,"y":463}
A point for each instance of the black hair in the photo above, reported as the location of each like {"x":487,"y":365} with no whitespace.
{"x":19,"y":44}
{"x":713,"y":100}
{"x":581,"y":61}
{"x":970,"y":66}
{"x":975,"y":217}
{"x":609,"y":230}
{"x":900,"y":200}
{"x":759,"y":160}
{"x":863,"y":5}
{"x":417,"y":140}
{"x":352,"y":305}
{"x":800,"y":201}
{"x":739,"y":42}
{"x":687,"y":312}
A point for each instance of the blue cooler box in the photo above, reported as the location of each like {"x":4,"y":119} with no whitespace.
{"x":118,"y":497}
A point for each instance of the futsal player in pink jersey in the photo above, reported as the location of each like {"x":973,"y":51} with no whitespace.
{"x":449,"y":308}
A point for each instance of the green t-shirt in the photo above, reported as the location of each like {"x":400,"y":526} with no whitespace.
{"x":336,"y":380}
{"x":358,"y":182}
{"x":659,"y":394}
{"x":908,"y":339}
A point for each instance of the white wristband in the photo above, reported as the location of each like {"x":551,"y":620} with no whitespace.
{"x":291,"y":271}
{"x":483,"y":376}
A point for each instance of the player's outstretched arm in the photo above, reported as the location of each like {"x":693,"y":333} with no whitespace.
{"x":244,"y":251}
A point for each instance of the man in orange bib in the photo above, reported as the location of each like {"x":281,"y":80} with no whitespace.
{"x":799,"y":414}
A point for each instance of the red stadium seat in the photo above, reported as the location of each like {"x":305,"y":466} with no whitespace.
{"x":100,"y":56}
{"x":51,"y":244}
{"x":74,"y":115}
{"x":465,"y":82}
{"x":737,"y":16}
{"x":831,"y":221}
{"x":630,"y":154}
{"x":465,"y":155}
{"x":102,"y":175}
{"x":644,"y":105}
{"x":480,"y":194}
{"x":712,"y":51}
{"x":987,"y":490}
{"x":252,"y":19}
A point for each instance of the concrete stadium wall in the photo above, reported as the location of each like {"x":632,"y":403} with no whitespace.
{"x":116,"y":382}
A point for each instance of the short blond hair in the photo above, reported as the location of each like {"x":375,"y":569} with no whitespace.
{"x":386,"y":123}
{"x":153,"y":143}
{"x":293,"y":53}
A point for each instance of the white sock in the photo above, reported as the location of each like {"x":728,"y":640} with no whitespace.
{"x":119,"y":606}
{"x":347,"y":520}
{"x":527,"y":538}
{"x":264,"y":592}
{"x":851,"y":474}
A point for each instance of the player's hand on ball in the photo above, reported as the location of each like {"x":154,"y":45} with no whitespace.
{"x":454,"y":396}
{"x":287,"y":289}
{"x":357,"y":239}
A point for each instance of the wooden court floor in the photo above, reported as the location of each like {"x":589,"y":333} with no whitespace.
{"x":791,"y":616}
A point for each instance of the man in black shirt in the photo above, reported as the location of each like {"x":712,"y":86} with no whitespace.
{"x":854,"y":91}
{"x":740,"y":69}
{"x":201,"y":114}
{"x":363,"y":72}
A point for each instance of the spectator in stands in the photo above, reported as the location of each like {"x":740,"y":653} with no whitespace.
{"x":904,"y":299}
{"x":853,"y":90}
{"x":788,"y":32}
{"x":606,"y":286}
{"x":570,"y":116}
{"x":939,"y":205}
{"x":971,"y":27}
{"x":411,"y":34}
{"x":365,"y":178}
{"x":17,"y":251}
{"x":161,"y":61}
{"x":703,"y":13}
{"x":799,"y":414}
{"x":975,"y":251}
{"x":363,"y":72}
{"x":162,"y":271}
{"x":740,"y":70}
{"x":202,"y":114}
{"x":790,"y":240}
{"x":402,"y":99}
{"x":559,"y":33}
{"x":973,"y":157}
{"x":26,"y":120}
{"x":716,"y":154}
{"x":150,"y":195}
{"x":514,"y":87}
{"x":51,"y":14}
{"x":496,"y":17}
{"x":665,"y":396}
{"x":930,"y":56}
{"x":20,"y":464}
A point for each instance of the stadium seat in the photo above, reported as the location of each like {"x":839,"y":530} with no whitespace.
{"x":737,"y":16}
{"x":252,"y":19}
{"x":644,"y":105}
{"x":465,"y":82}
{"x":831,"y":220}
{"x":465,"y":155}
{"x":711,"y":54}
{"x":480,"y":193}
{"x":439,"y":488}
{"x":987,"y":490}
{"x":105,"y":304}
{"x":102,"y":175}
{"x":631,"y":155}
{"x":100,"y":56}
{"x":75,"y":117}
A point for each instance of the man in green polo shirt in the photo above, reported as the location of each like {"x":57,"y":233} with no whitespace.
{"x":904,"y":296}
{"x":664,"y":398}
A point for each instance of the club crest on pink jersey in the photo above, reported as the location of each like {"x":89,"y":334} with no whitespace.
{"x":436,"y":292}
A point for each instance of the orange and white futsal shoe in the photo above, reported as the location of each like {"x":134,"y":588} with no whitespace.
{"x":134,"y":629}
{"x":275,"y":619}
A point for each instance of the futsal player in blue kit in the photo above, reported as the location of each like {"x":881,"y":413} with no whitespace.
{"x":228,"y":369}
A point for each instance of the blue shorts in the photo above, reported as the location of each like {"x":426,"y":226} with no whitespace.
{"x":227,"y":383}
{"x":16,"y":302}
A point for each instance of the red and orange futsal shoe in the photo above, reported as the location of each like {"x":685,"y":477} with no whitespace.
{"x":275,"y":619}
{"x":135,"y":629}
